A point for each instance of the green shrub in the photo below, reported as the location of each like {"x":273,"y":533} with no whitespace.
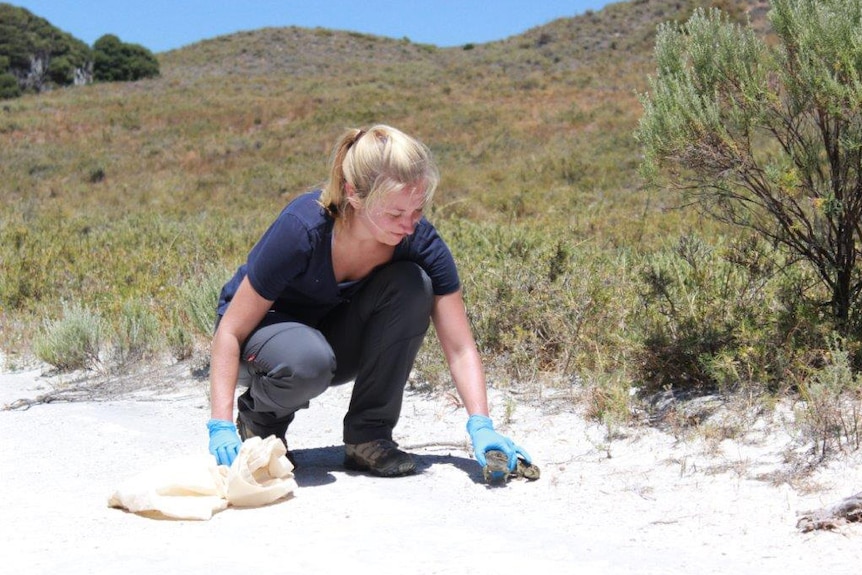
{"x":137,"y":333}
{"x":608,"y":399}
{"x":831,"y":415}
{"x":25,"y":38}
{"x":8,"y":86}
{"x":73,"y":341}
{"x":117,"y":61}
{"x":198,"y":298}
{"x":723,"y":316}
{"x":747,"y":126}
{"x":538,"y":304}
{"x":61,"y":71}
{"x":194,"y":311}
{"x":181,"y":341}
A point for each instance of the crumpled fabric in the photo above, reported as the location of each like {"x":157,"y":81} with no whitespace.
{"x":197,"y":488}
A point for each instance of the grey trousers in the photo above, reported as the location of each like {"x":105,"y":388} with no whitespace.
{"x":371,"y":340}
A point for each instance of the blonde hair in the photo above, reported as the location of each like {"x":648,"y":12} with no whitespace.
{"x":377,"y":162}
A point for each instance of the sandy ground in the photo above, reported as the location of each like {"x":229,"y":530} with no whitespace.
{"x":644,"y":503}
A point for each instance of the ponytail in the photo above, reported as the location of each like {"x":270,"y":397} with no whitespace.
{"x":333,"y":199}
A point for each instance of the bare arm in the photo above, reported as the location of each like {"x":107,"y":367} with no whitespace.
{"x":459,"y":348}
{"x":246,"y":310}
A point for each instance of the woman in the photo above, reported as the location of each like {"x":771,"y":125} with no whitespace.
{"x":342,"y":287}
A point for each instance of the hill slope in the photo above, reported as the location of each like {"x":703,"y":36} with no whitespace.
{"x":622,"y":31}
{"x":116,"y":192}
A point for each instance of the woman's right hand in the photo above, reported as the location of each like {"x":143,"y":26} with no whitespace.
{"x":224,"y":440}
{"x":246,"y":310}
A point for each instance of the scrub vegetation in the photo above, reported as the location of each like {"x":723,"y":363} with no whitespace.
{"x":132,"y":202}
{"x":36,"y":56}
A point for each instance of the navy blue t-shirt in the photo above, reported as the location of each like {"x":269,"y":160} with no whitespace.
{"x":291,"y":264}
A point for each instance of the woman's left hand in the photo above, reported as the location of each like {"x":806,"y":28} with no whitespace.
{"x":485,"y":439}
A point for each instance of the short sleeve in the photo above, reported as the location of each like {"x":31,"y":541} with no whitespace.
{"x":281,"y":255}
{"x":428,"y":249}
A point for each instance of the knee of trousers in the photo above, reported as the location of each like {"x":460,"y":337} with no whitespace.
{"x":298,"y":373}
{"x":411,"y":288}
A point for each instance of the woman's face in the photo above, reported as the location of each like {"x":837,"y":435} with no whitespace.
{"x":393,"y":217}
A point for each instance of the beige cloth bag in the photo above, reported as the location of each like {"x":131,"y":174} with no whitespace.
{"x":196,"y":488}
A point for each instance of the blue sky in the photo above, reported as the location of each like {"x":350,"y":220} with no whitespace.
{"x":162,"y":25}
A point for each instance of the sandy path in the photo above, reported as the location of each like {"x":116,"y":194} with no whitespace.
{"x":657,"y":506}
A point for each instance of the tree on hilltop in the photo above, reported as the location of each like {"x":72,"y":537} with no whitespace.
{"x":768,"y":134}
{"x":36,"y":54}
{"x":117,"y":61}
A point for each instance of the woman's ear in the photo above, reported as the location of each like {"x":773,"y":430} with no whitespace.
{"x":353,"y":199}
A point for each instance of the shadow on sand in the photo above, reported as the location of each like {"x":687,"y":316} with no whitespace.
{"x":315,"y":466}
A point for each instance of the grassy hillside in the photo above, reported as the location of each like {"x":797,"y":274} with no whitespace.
{"x":139,"y":192}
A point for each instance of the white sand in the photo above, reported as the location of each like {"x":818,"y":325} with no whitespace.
{"x":658,"y":505}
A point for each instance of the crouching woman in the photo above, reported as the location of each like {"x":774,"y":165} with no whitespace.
{"x":342,"y":287}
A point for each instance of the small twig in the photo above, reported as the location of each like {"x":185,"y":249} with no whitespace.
{"x":561,"y":462}
{"x":62,"y":395}
{"x":453,"y":444}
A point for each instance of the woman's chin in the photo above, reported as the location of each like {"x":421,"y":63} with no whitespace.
{"x":394,"y":239}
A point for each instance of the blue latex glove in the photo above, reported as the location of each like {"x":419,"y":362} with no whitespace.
{"x":484,"y":438}
{"x":224,"y":440}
